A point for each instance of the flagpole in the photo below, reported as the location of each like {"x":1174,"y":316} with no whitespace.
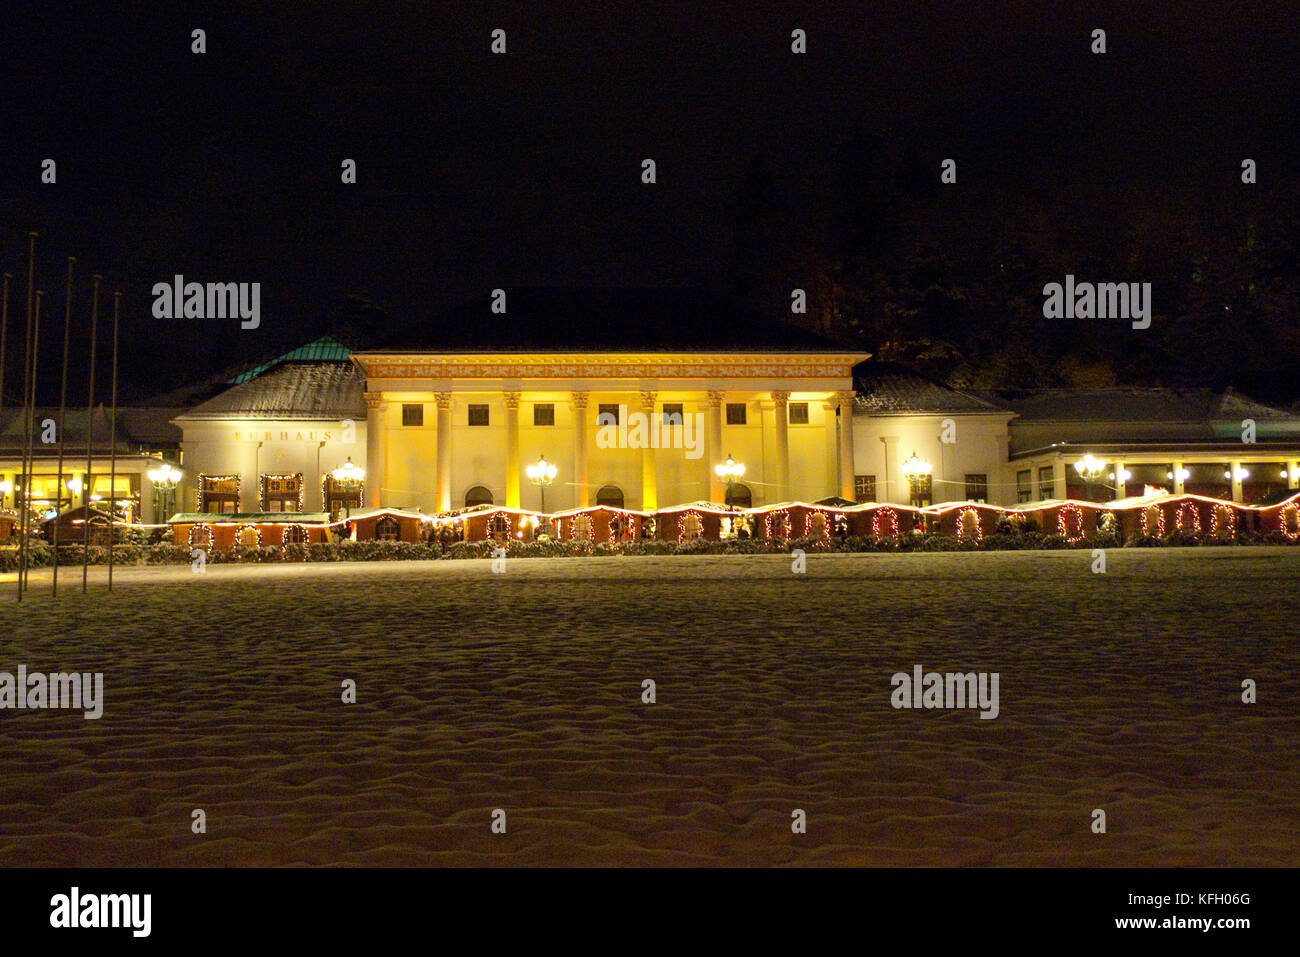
{"x":63,"y":406}
{"x":4,"y":335}
{"x":26,"y":420}
{"x":31,"y":419}
{"x":112,"y":445}
{"x":90,"y":435}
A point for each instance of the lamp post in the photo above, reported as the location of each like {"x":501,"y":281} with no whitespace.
{"x":348,"y":475}
{"x":164,"y":479}
{"x":1090,"y":467}
{"x":915,"y":469}
{"x":729,"y":471}
{"x":542,"y":473}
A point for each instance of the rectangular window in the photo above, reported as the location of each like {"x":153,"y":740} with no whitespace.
{"x":607,"y":415}
{"x":673,"y":413}
{"x":735,"y":413}
{"x":543,"y":414}
{"x":478,"y":414}
{"x":977,"y":487}
{"x":412,"y":414}
{"x":864,"y":488}
{"x":1046,"y":484}
{"x":798,"y":413}
{"x":1024,"y":486}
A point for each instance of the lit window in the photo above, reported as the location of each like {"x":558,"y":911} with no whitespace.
{"x":977,"y":488}
{"x":864,"y":488}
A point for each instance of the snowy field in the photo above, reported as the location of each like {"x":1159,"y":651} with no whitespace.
{"x":522,"y":691}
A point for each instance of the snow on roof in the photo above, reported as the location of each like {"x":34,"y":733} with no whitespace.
{"x":888,"y":389}
{"x":297,"y":390}
{"x":1133,"y":405}
{"x":324,"y":349}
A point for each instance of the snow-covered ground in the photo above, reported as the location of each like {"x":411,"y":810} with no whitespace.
{"x":522,"y":691}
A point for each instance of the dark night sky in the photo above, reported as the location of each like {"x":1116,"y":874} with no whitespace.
{"x":478,"y":171}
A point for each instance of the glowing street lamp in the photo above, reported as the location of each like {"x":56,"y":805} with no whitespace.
{"x":729,"y":471}
{"x":541,"y":473}
{"x":165,"y":479}
{"x":1090,"y":467}
{"x":348,"y":473}
{"x":915,"y":470}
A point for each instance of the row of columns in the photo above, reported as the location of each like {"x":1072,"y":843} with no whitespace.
{"x":377,"y":447}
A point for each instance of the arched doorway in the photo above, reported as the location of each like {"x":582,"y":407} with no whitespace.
{"x":478,"y":495}
{"x":610,"y":496}
{"x":739,"y":496}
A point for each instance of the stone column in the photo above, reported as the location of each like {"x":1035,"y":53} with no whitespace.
{"x":715,"y":454}
{"x":443,"y":480}
{"x":1233,"y":468}
{"x":649,"y":461}
{"x":1293,"y":474}
{"x":1120,"y":489}
{"x":781,"y":399}
{"x":1178,"y":478}
{"x":376,"y":448}
{"x":512,"y":449}
{"x":582,"y":497}
{"x":847,"y":467}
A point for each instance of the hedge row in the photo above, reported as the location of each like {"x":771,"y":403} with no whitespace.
{"x":41,"y":555}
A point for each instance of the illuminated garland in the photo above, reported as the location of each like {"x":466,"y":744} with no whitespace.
{"x":510,"y":525}
{"x":1063,"y":522}
{"x":581,"y":526}
{"x":681,"y":525}
{"x":1107,"y":522}
{"x":284,"y":536}
{"x":201,"y":481}
{"x":239,"y":533}
{"x":1146,"y":521}
{"x":1196,"y":518}
{"x":630,"y":527}
{"x":330,"y":488}
{"x":1223,"y":520}
{"x":893,"y":522}
{"x":263,"y":502}
{"x":1288,"y":512}
{"x":961,"y":524}
{"x":808,"y":524}
{"x":785,"y":525}
{"x":205,"y":529}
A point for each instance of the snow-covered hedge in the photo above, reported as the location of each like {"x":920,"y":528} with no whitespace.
{"x":41,"y":555}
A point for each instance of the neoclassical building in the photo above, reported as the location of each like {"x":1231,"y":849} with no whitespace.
{"x":453,"y":413}
{"x":635,"y":429}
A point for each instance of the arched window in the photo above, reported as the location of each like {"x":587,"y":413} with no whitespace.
{"x":611,"y":496}
{"x":388,"y":529}
{"x":478,"y":495}
{"x":738,"y":496}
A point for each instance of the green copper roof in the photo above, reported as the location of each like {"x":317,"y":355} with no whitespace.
{"x":324,"y":349}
